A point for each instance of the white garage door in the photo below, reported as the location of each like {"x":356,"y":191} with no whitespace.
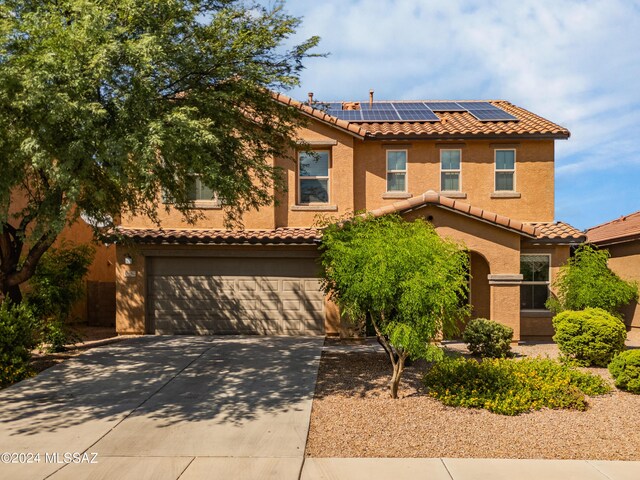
{"x":204,"y":295}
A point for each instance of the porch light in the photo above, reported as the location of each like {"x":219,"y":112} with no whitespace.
{"x":128,"y":260}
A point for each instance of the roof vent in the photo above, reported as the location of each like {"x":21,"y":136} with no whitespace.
{"x":371,"y":98}
{"x":310,"y":98}
{"x":350,"y":105}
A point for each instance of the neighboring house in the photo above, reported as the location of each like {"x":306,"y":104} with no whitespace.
{"x":481,"y":172}
{"x":98,"y":307}
{"x":622,"y":238}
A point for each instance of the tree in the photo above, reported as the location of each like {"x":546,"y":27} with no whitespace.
{"x":407,"y":280}
{"x":104,"y":104}
{"x":586,"y":281}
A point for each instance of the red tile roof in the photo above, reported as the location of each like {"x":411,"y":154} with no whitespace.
{"x":621,"y":229}
{"x":558,"y":231}
{"x":451,"y":124}
{"x":290,"y":236}
{"x":434,"y":198}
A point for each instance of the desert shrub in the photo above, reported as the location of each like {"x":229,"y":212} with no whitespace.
{"x":625,"y":370}
{"x":488,"y":338}
{"x":55,"y":287}
{"x":511,"y":387}
{"x":17,"y":339}
{"x":587,"y":282}
{"x":592,"y":336}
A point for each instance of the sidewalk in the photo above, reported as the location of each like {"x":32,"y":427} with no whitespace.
{"x":466,"y":469}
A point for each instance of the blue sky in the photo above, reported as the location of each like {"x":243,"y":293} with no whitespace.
{"x":574,"y":62}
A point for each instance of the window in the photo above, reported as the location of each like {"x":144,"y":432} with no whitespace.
{"x":450,"y":170}
{"x":199,"y":192}
{"x":505,"y":170}
{"x":534,"y":290}
{"x":313,"y":177}
{"x":396,"y":171}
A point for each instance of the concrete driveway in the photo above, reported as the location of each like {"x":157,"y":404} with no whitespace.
{"x":163,"y":408}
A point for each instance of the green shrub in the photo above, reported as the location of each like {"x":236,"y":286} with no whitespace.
{"x":17,"y":339}
{"x":587,"y":282}
{"x":592,"y":336}
{"x":625,"y":370}
{"x":55,"y":287}
{"x":511,"y":387}
{"x":488,"y":338}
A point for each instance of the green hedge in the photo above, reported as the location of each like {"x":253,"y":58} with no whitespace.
{"x":591,"y":336}
{"x":511,"y":387}
{"x":17,"y":339}
{"x":488,"y":338}
{"x":625,"y":370}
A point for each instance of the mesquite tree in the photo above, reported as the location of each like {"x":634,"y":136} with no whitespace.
{"x":411,"y":283}
{"x":105,"y":104}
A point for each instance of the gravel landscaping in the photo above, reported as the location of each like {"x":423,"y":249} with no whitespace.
{"x":353,"y":416}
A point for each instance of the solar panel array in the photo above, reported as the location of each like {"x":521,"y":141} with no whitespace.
{"x":417,"y":111}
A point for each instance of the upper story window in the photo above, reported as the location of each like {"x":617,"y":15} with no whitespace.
{"x":200,"y":194}
{"x":505,"y":170}
{"x":450,"y":170}
{"x":313,"y":177}
{"x":534,"y":290}
{"x":396,"y":170}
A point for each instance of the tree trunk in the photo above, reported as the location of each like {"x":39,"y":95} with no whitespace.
{"x":398,"y":369}
{"x":13,"y":293}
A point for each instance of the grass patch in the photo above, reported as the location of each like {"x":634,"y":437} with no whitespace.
{"x":511,"y":387}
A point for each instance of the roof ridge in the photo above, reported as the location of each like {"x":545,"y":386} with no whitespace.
{"x":620,"y":218}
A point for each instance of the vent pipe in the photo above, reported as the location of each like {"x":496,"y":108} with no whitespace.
{"x":371,"y":98}
{"x":310,"y":98}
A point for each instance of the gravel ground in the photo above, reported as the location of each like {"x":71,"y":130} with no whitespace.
{"x":353,"y":416}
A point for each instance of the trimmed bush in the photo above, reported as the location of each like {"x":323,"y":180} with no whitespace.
{"x":17,"y":339}
{"x":625,"y":370}
{"x":511,"y":387}
{"x":592,"y":336}
{"x":488,"y":338}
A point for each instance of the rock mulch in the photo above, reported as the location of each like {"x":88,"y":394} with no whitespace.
{"x":353,"y":416}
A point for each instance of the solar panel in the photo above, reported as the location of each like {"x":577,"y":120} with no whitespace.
{"x":409,"y":105}
{"x":477,"y":106}
{"x":376,"y":106}
{"x":379,"y":115}
{"x":445,"y":107}
{"x":418,"y":115}
{"x":492,"y":115}
{"x":349,"y":115}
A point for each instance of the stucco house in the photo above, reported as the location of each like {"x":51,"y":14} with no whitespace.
{"x":481,"y":171}
{"x":622,"y":238}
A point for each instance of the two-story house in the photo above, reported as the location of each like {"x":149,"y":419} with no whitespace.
{"x":481,"y":171}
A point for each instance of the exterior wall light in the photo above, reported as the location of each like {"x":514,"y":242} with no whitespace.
{"x":128,"y":260}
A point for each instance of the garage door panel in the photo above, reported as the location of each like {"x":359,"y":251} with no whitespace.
{"x":251,"y":295}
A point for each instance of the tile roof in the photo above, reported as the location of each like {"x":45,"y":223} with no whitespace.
{"x":621,"y":229}
{"x":434,"y":198}
{"x":558,"y":231}
{"x":290,"y":236}
{"x":451,"y":124}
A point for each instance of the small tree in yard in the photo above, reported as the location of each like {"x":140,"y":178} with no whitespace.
{"x":586,"y":281}
{"x":402,"y":276}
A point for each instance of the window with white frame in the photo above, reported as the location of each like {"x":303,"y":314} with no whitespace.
{"x":396,"y":170}
{"x":450,"y":170}
{"x":313,"y":177}
{"x":534,"y":290}
{"x":505,"y":170}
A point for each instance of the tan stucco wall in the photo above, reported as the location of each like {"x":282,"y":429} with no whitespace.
{"x":625,"y":261}
{"x":358,"y":180}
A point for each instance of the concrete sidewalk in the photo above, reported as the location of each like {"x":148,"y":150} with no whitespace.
{"x":466,"y":469}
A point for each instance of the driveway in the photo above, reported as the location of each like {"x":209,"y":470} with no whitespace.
{"x":166,"y":407}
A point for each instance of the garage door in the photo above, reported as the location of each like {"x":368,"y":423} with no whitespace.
{"x":203,"y":295}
